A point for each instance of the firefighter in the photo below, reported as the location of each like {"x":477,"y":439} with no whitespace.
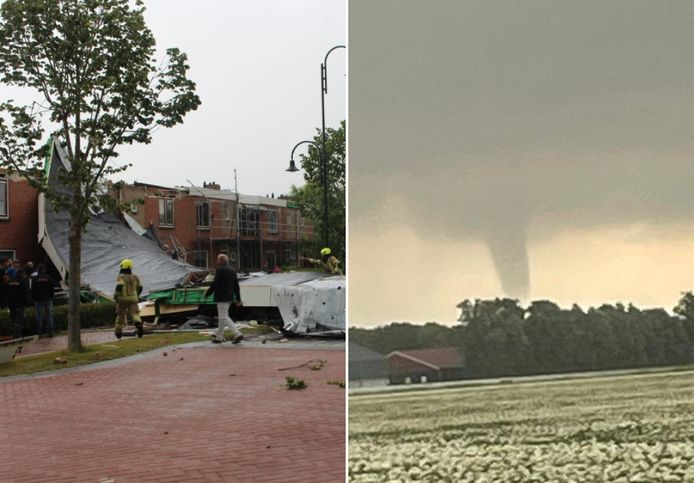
{"x":127,"y":294}
{"x":329,"y":262}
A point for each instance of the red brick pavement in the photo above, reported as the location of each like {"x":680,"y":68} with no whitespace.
{"x":167,"y":419}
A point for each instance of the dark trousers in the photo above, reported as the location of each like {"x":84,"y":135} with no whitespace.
{"x":17,"y":318}
{"x":44,"y":317}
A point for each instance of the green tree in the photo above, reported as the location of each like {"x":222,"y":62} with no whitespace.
{"x":310,"y":196}
{"x":685,"y":309}
{"x":93,"y":64}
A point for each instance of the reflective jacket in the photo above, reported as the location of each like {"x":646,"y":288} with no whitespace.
{"x":331,"y":265}
{"x":128,"y":288}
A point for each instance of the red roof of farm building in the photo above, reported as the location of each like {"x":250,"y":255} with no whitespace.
{"x":438,"y":358}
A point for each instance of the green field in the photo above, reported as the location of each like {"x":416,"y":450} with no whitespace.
{"x":616,"y":429}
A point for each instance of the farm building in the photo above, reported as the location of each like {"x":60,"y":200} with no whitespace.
{"x":366,"y":367}
{"x":426,"y":365}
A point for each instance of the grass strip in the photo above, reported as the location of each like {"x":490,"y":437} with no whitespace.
{"x":107,"y":351}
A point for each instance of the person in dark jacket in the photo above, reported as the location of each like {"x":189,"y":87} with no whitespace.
{"x":4,"y":278}
{"x":42,"y":291}
{"x":16,"y":292}
{"x":225,"y":288}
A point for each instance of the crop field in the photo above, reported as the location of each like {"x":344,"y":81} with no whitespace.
{"x":618,"y":429}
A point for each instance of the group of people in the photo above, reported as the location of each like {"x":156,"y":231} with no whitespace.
{"x":24,"y":285}
{"x":224,"y":288}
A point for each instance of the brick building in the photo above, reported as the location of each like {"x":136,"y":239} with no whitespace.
{"x":430,"y":365}
{"x":18,"y":220}
{"x":201,"y":222}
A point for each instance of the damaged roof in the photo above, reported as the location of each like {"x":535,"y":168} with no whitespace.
{"x":107,"y":240}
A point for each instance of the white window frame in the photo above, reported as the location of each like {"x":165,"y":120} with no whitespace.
{"x":6,"y":215}
{"x":273,"y":227}
{"x":198,"y":215}
{"x":166,"y":202}
{"x":8,"y":250}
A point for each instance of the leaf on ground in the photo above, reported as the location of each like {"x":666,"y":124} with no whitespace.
{"x":295,"y":383}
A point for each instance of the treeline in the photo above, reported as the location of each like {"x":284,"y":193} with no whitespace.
{"x":501,"y":338}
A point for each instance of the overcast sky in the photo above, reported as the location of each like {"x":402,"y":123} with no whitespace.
{"x":257,"y":69}
{"x":538,"y":149}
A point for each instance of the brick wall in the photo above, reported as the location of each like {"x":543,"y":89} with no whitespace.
{"x":221,"y":234}
{"x":19,"y":231}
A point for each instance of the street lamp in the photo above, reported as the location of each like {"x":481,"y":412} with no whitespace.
{"x":293,"y":169}
{"x":292,"y":164}
{"x":324,"y":167}
{"x":321,"y":150}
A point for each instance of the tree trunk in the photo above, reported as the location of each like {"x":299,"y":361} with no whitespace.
{"x":74,"y":340}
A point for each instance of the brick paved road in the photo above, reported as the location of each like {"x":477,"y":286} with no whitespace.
{"x":165,"y":419}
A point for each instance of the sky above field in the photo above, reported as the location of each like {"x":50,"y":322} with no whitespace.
{"x":257,"y":69}
{"x":537,"y":149}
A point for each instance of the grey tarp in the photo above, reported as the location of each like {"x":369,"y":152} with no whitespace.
{"x":106,"y":242}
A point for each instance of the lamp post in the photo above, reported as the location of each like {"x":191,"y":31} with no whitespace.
{"x":293,"y":169}
{"x":324,"y":167}
{"x":321,"y":150}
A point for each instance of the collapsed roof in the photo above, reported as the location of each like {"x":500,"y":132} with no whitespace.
{"x":106,"y":241}
{"x":309,"y":302}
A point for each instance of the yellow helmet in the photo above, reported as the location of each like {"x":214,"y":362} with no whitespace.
{"x":126,"y":264}
{"x":325,"y":251}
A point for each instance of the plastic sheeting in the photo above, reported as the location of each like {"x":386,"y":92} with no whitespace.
{"x":316,"y":306}
{"x":107,"y":240}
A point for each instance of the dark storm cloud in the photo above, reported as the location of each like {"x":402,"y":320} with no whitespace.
{"x":487,"y":115}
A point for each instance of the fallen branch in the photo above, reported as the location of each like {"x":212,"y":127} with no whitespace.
{"x":313,"y":364}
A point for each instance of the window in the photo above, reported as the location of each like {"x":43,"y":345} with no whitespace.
{"x":289,"y":219}
{"x":249,"y":222}
{"x":11,"y":254}
{"x":287,"y":255}
{"x":199,"y":258}
{"x":272,"y":218}
{"x":166,"y":212}
{"x":134,"y":207}
{"x":232,"y":256}
{"x":4,"y":199}
{"x":202,"y":215}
